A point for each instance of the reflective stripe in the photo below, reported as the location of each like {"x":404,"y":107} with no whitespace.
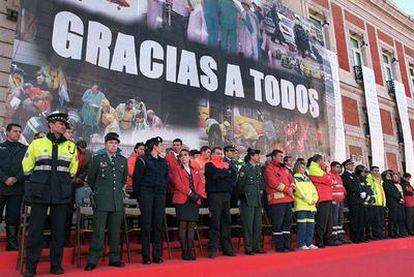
{"x":286,"y":232}
{"x":302,"y":220}
{"x":62,"y":169}
{"x":44,"y":157}
{"x":64,"y":159}
{"x":43,"y":167}
{"x":277,"y":233}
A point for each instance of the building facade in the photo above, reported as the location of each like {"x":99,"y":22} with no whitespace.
{"x":371,"y":33}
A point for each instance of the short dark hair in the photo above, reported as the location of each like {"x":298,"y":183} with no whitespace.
{"x":11,"y":125}
{"x":81,"y":143}
{"x":335,"y":163}
{"x":286,"y":158}
{"x":216,"y":148}
{"x":317,"y":157}
{"x":374,"y":167}
{"x":185,"y":150}
{"x":406,"y":175}
{"x":178,"y":140}
{"x":138,"y":145}
{"x":204,"y":148}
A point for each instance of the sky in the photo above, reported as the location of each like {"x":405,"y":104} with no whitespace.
{"x":406,"y":5}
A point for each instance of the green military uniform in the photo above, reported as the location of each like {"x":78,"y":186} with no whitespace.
{"x":249,"y":186}
{"x":107,"y":177}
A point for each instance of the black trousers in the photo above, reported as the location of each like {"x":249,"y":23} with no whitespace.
{"x":37,"y":220}
{"x":220,"y":222}
{"x":152,"y":207}
{"x":13,"y":204}
{"x":356,"y":218}
{"x":281,"y":218}
{"x":409,"y":218}
{"x":368,"y":219}
{"x":378,"y":221}
{"x":323,"y":220}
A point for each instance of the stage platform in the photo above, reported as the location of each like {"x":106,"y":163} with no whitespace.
{"x":391,"y":257}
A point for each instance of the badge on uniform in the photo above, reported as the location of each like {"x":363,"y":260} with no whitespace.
{"x":241,"y":173}
{"x":103,"y":164}
{"x":45,"y":150}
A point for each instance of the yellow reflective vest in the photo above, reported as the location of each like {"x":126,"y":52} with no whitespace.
{"x":379,"y":194}
{"x":305,"y":195}
{"x":50,"y":180}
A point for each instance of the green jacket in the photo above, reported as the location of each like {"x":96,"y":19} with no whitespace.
{"x":249,"y":184}
{"x":107,"y":181}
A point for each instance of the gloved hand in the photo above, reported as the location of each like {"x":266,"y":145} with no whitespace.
{"x":363,"y":195}
{"x":194,"y":197}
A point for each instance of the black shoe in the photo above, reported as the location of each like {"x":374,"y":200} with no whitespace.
{"x":29,"y":274}
{"x":186,"y":257}
{"x":259,"y":251}
{"x":58,"y":271}
{"x":211,"y":255}
{"x":157,"y":260}
{"x":290,"y":249}
{"x":248,"y":252}
{"x":345,"y":241}
{"x":146,"y":261}
{"x":230,"y":254}
{"x":333,"y":243}
{"x":320,"y":245}
{"x":90,"y":267}
{"x":281,"y":250}
{"x":117,"y":264}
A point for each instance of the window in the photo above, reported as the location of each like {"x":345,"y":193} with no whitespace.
{"x":386,"y":61}
{"x":411,"y":75}
{"x":356,"y":51}
{"x":316,"y":21}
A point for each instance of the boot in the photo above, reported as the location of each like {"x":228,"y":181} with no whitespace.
{"x":12,"y":243}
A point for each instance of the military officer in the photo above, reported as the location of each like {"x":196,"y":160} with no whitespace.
{"x":249,"y":186}
{"x":51,"y":163}
{"x":12,"y":181}
{"x":107,"y":177}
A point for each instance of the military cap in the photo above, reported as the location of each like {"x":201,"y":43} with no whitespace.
{"x":112,"y":136}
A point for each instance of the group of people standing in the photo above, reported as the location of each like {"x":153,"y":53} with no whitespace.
{"x":54,"y":167}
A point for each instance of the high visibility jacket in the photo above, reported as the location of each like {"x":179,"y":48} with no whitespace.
{"x":338,"y":189}
{"x":377,"y":188}
{"x":322,"y":181}
{"x":306,"y":195}
{"x":50,"y":174}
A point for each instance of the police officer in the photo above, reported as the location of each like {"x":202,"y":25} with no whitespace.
{"x":12,"y":183}
{"x":149,"y":182}
{"x":355,"y":201}
{"x":230,"y":158}
{"x":107,"y":177}
{"x":51,"y":163}
{"x":249,"y":186}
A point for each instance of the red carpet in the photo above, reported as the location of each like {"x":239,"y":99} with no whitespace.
{"x":381,"y":258}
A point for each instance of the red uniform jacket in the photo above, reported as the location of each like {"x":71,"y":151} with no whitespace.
{"x":338,"y":189}
{"x":323,"y":185}
{"x":172,"y":164}
{"x":181,"y":181}
{"x":279,"y":184}
{"x":131,"y":167}
{"x":409,"y":199}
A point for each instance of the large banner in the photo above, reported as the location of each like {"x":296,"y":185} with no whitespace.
{"x":401,"y":99}
{"x":214,"y":72}
{"x":374,"y":118}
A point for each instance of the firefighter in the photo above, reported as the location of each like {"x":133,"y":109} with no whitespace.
{"x":50,"y":163}
{"x":279,"y":188}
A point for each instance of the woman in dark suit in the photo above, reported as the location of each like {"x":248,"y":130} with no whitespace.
{"x":187,"y":198}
